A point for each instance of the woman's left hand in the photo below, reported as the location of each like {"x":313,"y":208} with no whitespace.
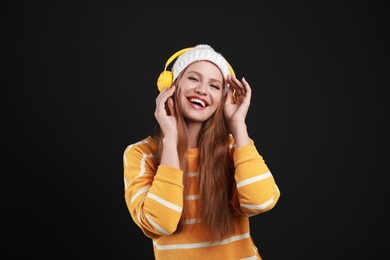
{"x":238,"y":101}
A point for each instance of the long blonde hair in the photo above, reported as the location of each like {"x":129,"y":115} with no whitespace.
{"x":216,"y":170}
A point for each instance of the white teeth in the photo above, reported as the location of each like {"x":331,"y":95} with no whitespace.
{"x":198,"y":101}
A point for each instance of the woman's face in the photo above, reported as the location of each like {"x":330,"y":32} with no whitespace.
{"x":200,"y":91}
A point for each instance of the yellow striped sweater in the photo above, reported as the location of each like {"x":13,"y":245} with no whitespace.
{"x":154,"y":197}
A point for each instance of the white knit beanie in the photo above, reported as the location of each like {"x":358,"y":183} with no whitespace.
{"x":198,"y":53}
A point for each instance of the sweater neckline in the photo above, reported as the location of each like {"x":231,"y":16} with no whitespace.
{"x":193,"y":151}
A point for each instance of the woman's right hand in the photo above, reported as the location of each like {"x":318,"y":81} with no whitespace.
{"x":165,"y":112}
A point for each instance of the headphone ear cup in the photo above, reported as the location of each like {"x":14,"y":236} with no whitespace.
{"x":164,"y":80}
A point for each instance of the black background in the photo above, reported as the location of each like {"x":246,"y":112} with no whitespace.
{"x":79,"y":85}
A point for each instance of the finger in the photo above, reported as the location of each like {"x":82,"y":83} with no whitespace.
{"x":161,"y":100}
{"x":238,"y":86}
{"x":246,"y":86}
{"x":231,"y":83}
{"x":248,"y":90}
{"x":165,"y":94}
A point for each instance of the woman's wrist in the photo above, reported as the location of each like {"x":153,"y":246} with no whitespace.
{"x":240,"y":134}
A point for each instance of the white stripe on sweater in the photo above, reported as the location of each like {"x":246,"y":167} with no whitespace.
{"x":154,"y":224}
{"x":165,"y":203}
{"x":193,"y":174}
{"x":130,"y":146}
{"x":254,"y":179}
{"x":141,"y":191}
{"x":142,"y":167}
{"x":250,"y":258}
{"x":142,"y":163}
{"x":193,"y":197}
{"x":258,"y":207}
{"x":199,"y":245}
{"x":192,"y":221}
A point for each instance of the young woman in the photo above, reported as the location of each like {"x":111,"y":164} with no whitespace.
{"x":193,"y":184}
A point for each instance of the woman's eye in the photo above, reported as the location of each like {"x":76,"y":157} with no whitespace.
{"x":193,"y":78}
{"x":215,"y":86}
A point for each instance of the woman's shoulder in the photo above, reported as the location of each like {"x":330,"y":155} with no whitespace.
{"x":144,"y":146}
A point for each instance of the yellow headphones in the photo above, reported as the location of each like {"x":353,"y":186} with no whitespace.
{"x":166,"y":77}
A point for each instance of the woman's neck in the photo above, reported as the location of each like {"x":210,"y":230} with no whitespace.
{"x":194,"y":130}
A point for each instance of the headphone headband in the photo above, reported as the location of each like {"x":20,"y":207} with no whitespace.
{"x":166,"y":77}
{"x":175,"y":55}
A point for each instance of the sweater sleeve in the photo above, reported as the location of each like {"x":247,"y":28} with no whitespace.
{"x":154,"y":196}
{"x":255,"y":191}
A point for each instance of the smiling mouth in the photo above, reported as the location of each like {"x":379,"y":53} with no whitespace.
{"x":197,"y":102}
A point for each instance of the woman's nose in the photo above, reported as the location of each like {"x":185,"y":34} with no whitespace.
{"x":201,"y":89}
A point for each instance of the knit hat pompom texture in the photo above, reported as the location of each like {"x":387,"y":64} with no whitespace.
{"x":198,"y":53}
